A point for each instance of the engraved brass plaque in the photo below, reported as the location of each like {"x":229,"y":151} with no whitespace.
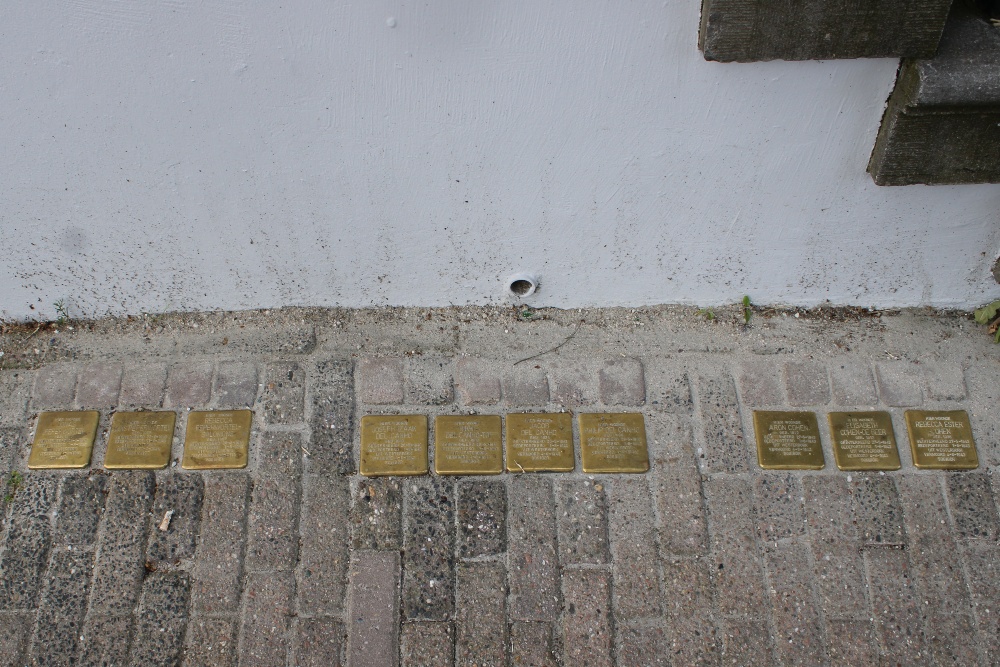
{"x":540,"y":442}
{"x":63,"y":440}
{"x":942,"y":440}
{"x":217,"y":439}
{"x":140,"y":440}
{"x":788,"y":440}
{"x":613,"y":442}
{"x":863,"y":441}
{"x":468,"y":445}
{"x":394,"y":445}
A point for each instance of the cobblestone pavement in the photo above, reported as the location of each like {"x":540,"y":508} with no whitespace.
{"x":297,"y":560}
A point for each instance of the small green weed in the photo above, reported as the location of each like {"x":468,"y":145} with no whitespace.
{"x":13,"y":484}
{"x":707,"y":313}
{"x":62,"y":311}
{"x":990,"y":315}
{"x":747,"y":309}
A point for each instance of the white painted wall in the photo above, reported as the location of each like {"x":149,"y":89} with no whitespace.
{"x":179,"y":154}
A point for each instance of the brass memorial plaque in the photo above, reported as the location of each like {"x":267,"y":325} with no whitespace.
{"x":540,"y":442}
{"x":863,"y":441}
{"x":394,"y":445}
{"x":942,"y":440}
{"x":613,"y":442}
{"x":217,"y":439}
{"x":140,"y":440}
{"x":788,"y":440}
{"x":468,"y":445}
{"x":63,"y":440}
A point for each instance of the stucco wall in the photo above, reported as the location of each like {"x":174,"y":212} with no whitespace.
{"x":176,"y":155}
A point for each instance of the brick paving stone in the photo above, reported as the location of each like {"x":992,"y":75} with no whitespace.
{"x":694,"y":641}
{"x":377,"y":514}
{"x":272,"y":525}
{"x":427,"y":644}
{"x":481,"y":616}
{"x":319,"y":642}
{"x":687,"y":587}
{"x":899,"y":386}
{"x":531,"y":644}
{"x":952,"y":639}
{"x":725,"y":449}
{"x":482,"y":518}
{"x":324,"y":553}
{"x":982,"y":405}
{"x":747,"y":643}
{"x":14,"y":638}
{"x":60,"y":617}
{"x":896,"y":606}
{"x":12,"y":444}
{"x":972,"y":506}
{"x":668,"y":388}
{"x":807,"y":383}
{"x":760,"y":386}
{"x":633,"y":549}
{"x":380,"y":381}
{"x":189,"y":385}
{"x":332,"y":424}
{"x":622,"y":382}
{"x":218,"y":565}
{"x":642,"y":647}
{"x":779,"y":507}
{"x":99,"y":385}
{"x":55,"y":386}
{"x":982,"y":561}
{"x":476,"y":382}
{"x":235,"y":385}
{"x":587,"y":617}
{"x":582,"y":522}
{"x":267,"y":615}
{"x":161,"y":619}
{"x":945,"y":381}
{"x":373,"y":615}
{"x":525,"y":386}
{"x":853,"y":385}
{"x":799,"y":628}
{"x":15,"y":388}
{"x":284,"y":394}
{"x":924,"y":506}
{"x":280,"y":455}
{"x":573,"y":383}
{"x":938,"y":573}
{"x":27,"y":544}
{"x":181,"y":494}
{"x":851,"y":642}
{"x":531,"y":547}
{"x":106,"y":639}
{"x":878,"y":511}
{"x":429,"y":381}
{"x":80,"y":507}
{"x":211,"y":642}
{"x":677,"y":486}
{"x":738,"y":570}
{"x":121,"y":549}
{"x":142,"y":386}
{"x":428,"y":549}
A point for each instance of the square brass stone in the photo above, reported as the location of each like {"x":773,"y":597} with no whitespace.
{"x":140,"y":440}
{"x":863,"y":441}
{"x":613,"y":442}
{"x":217,"y":439}
{"x":540,"y":442}
{"x":788,"y":440}
{"x":394,"y":445}
{"x":468,"y":445}
{"x":63,"y":440}
{"x":941,"y":440}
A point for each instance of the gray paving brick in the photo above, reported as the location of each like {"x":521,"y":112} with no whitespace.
{"x":899,"y":384}
{"x":839,"y":567}
{"x":642,"y":647}
{"x":429,"y":381}
{"x":677,"y":486}
{"x":982,"y":561}
{"x":482,"y":518}
{"x":828,"y":508}
{"x":525,"y":386}
{"x":878,"y":511}
{"x":181,"y":494}
{"x":218,"y":566}
{"x":952,"y":639}
{"x":427,"y":644}
{"x":800,"y":633}
{"x":938,"y":573}
{"x":189,"y":385}
{"x":27,"y":544}
{"x":851,"y":642}
{"x":476,"y":382}
{"x":747,"y":643}
{"x":668,"y":387}
{"x":531,"y":644}
{"x":633,"y":548}
{"x":760,"y":386}
{"x":235,"y":385}
{"x":428,"y":549}
{"x":737,"y":570}
{"x":272,"y":525}
{"x":332,"y":424}
{"x":807,"y":383}
{"x":319,"y":642}
{"x":587,"y":617}
{"x":280,"y":456}
{"x":13,"y":446}
{"x":531,"y":547}
{"x":481,"y":615}
{"x":582,"y":522}
{"x":106,"y":639}
{"x":622,"y":382}
{"x":972,"y":506}
{"x":15,"y":387}
{"x":896,"y":606}
{"x":924,"y":507}
{"x":80,"y":507}
{"x":687,"y":587}
{"x":143,"y":386}
{"x":853,"y":385}
{"x":573,"y":383}
{"x":267,"y":615}
{"x":121,"y":550}
{"x":945,"y":381}
{"x":380,"y":381}
{"x":374,"y":609}
{"x":60,"y":617}
{"x":161,"y":619}
{"x":210,"y":642}
{"x":324,"y":553}
{"x":99,"y":385}
{"x":284,"y":393}
{"x":694,"y":641}
{"x":55,"y":386}
{"x":14,"y":638}
{"x":377,"y":514}
{"x":779,"y":504}
{"x":724,"y":447}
